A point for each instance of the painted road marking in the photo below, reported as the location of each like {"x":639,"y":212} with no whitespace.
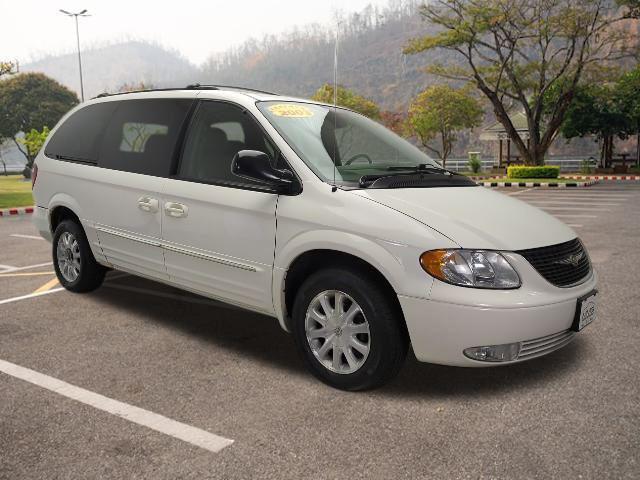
{"x":574,"y":216}
{"x":31,"y":237}
{"x":30,"y":274}
{"x":31,"y":295}
{"x":182,"y":431}
{"x":574,"y":225}
{"x":28,"y":267}
{"x":47,"y":286}
{"x":586,"y":208}
{"x":519,"y":192}
{"x":571,"y":202}
{"x":555,"y":194}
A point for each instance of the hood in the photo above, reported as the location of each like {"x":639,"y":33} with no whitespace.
{"x":475,"y":217}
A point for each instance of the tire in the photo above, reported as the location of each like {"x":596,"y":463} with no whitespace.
{"x":386,"y":339}
{"x":78,"y":270}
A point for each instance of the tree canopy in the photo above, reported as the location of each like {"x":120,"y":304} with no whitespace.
{"x":596,"y":110}
{"x":442,"y":111}
{"x":348,"y":99}
{"x":516,"y":50}
{"x":606,"y":111}
{"x":32,"y":101}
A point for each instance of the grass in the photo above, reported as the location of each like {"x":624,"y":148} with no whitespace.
{"x":529,"y":180}
{"x":15,"y":191}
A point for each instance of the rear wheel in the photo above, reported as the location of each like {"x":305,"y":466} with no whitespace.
{"x":348,"y":329}
{"x":74,"y":263}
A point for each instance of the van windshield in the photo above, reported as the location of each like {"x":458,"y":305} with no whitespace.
{"x":361,"y":147}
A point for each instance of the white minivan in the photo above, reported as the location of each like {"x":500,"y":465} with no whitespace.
{"x":356,"y":241}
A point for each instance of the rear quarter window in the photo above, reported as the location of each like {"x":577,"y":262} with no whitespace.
{"x":79,"y":136}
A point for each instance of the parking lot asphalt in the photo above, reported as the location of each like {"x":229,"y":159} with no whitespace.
{"x":217,"y":369}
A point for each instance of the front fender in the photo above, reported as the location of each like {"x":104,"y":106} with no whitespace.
{"x":396,"y":262}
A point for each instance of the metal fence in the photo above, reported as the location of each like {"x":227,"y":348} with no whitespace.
{"x":566,"y":163}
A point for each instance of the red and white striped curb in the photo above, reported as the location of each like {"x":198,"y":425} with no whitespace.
{"x":602,"y":177}
{"x":538,"y":184}
{"x":16,"y":211}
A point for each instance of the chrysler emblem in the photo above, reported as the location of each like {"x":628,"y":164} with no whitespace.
{"x":572,"y":260}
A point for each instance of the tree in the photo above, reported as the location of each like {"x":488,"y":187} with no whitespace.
{"x":516,"y":50}
{"x":442,"y":111}
{"x":134,"y":87}
{"x":394,"y":121}
{"x":628,"y":93}
{"x":34,"y":140}
{"x":31,"y":101}
{"x":6,"y":68}
{"x":596,"y":110}
{"x":348,"y":99}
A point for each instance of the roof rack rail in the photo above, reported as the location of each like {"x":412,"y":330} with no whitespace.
{"x":198,"y":86}
{"x":194,"y":86}
{"x":107,"y":94}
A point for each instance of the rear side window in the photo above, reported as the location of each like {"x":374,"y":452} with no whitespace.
{"x":78,"y":138}
{"x":142,"y":136}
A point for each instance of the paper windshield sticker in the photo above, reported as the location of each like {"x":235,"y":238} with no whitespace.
{"x":290,"y":110}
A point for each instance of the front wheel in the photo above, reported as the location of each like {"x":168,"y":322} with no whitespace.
{"x":75,"y":265}
{"x":348,"y":329}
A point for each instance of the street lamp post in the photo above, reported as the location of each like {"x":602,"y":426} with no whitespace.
{"x":83,"y":13}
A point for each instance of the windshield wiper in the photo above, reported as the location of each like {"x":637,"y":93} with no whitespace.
{"x":423,"y":167}
{"x":368,"y":180}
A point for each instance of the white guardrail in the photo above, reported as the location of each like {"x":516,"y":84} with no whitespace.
{"x":566,"y":164}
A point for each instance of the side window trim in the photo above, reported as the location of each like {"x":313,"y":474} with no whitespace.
{"x":175,"y":173}
{"x":176,"y":157}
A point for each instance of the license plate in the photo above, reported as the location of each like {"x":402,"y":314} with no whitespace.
{"x":585,"y":311}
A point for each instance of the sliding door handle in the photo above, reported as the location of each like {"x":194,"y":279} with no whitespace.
{"x":148,"y":204}
{"x":176,"y":210}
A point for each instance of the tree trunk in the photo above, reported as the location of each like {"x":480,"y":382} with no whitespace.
{"x":607,"y":151}
{"x":638,"y":149}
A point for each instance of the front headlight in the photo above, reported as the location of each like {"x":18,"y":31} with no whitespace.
{"x":470,"y":268}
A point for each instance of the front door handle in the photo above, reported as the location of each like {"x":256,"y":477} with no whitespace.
{"x":176,"y":210}
{"x":148,"y":204}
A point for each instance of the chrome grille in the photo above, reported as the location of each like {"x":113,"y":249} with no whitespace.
{"x":563,"y":265}
{"x":543,"y":345}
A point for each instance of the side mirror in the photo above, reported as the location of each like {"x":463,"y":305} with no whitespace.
{"x":256,"y":166}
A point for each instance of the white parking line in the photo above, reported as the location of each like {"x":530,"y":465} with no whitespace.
{"x":28,"y":267}
{"x":586,"y":208}
{"x":578,"y":196}
{"x":182,"y":431}
{"x":518,"y":192}
{"x":31,"y":295}
{"x":31,"y":237}
{"x":571,"y":202}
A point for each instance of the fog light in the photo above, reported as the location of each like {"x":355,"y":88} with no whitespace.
{"x":494,"y":353}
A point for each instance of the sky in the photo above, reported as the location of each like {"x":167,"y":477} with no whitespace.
{"x":32,"y":29}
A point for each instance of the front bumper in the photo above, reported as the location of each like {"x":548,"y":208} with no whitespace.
{"x":441,"y":329}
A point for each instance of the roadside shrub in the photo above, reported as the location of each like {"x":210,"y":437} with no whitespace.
{"x":474,"y":162}
{"x":586,"y":166}
{"x":542,"y":171}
